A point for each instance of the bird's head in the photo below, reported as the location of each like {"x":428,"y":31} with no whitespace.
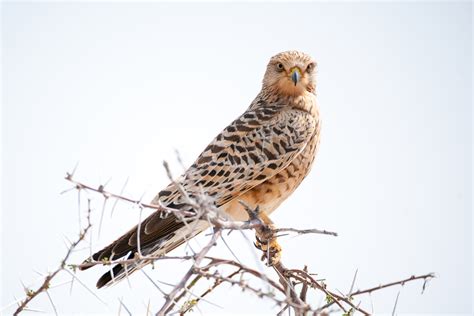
{"x":290,"y":73}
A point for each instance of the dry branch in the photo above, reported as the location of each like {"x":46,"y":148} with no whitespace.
{"x":32,"y":294}
{"x":294,"y":289}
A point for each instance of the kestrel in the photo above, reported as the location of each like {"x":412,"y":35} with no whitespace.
{"x":260,"y":159}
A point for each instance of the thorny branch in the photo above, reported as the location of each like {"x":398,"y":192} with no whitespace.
{"x":170,"y":298}
{"x":32,"y":294}
{"x":295,"y":289}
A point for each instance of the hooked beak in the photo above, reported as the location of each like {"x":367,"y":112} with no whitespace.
{"x":295,"y":75}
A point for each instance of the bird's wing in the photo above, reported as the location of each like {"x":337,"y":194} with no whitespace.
{"x":251,"y":150}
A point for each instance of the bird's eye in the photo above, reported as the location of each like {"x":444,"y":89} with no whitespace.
{"x":280,"y":66}
{"x":310,"y":68}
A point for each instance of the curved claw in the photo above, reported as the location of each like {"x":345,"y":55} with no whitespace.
{"x":271,"y":250}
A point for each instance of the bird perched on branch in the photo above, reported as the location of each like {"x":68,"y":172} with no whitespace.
{"x":260,"y":159}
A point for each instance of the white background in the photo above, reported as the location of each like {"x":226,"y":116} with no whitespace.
{"x":118,"y":87}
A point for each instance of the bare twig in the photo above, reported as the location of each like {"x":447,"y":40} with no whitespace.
{"x":401,"y":282}
{"x":304,"y":231}
{"x":107,"y":194}
{"x":170,"y":298}
{"x":383,"y":286}
{"x":218,"y":281}
{"x":31,"y":294}
{"x":282,"y":292}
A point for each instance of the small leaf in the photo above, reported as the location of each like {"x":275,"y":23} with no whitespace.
{"x":329,"y":299}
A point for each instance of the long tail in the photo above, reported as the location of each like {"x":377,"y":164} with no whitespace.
{"x":158,"y":235}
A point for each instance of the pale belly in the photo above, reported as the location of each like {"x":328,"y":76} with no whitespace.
{"x":271,"y":193}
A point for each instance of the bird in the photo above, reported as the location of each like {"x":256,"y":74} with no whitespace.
{"x":260,"y":159}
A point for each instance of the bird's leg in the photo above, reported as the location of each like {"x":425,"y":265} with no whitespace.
{"x":266,"y":240}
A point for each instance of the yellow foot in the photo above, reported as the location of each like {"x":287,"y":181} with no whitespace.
{"x":271,"y":252}
{"x":266,"y":240}
{"x":267,"y":243}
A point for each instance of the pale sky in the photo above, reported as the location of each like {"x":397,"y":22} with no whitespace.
{"x":118,"y":87}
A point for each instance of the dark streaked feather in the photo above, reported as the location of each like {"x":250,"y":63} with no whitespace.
{"x":154,"y":228}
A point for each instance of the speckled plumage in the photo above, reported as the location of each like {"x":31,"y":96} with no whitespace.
{"x":260,"y":158}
